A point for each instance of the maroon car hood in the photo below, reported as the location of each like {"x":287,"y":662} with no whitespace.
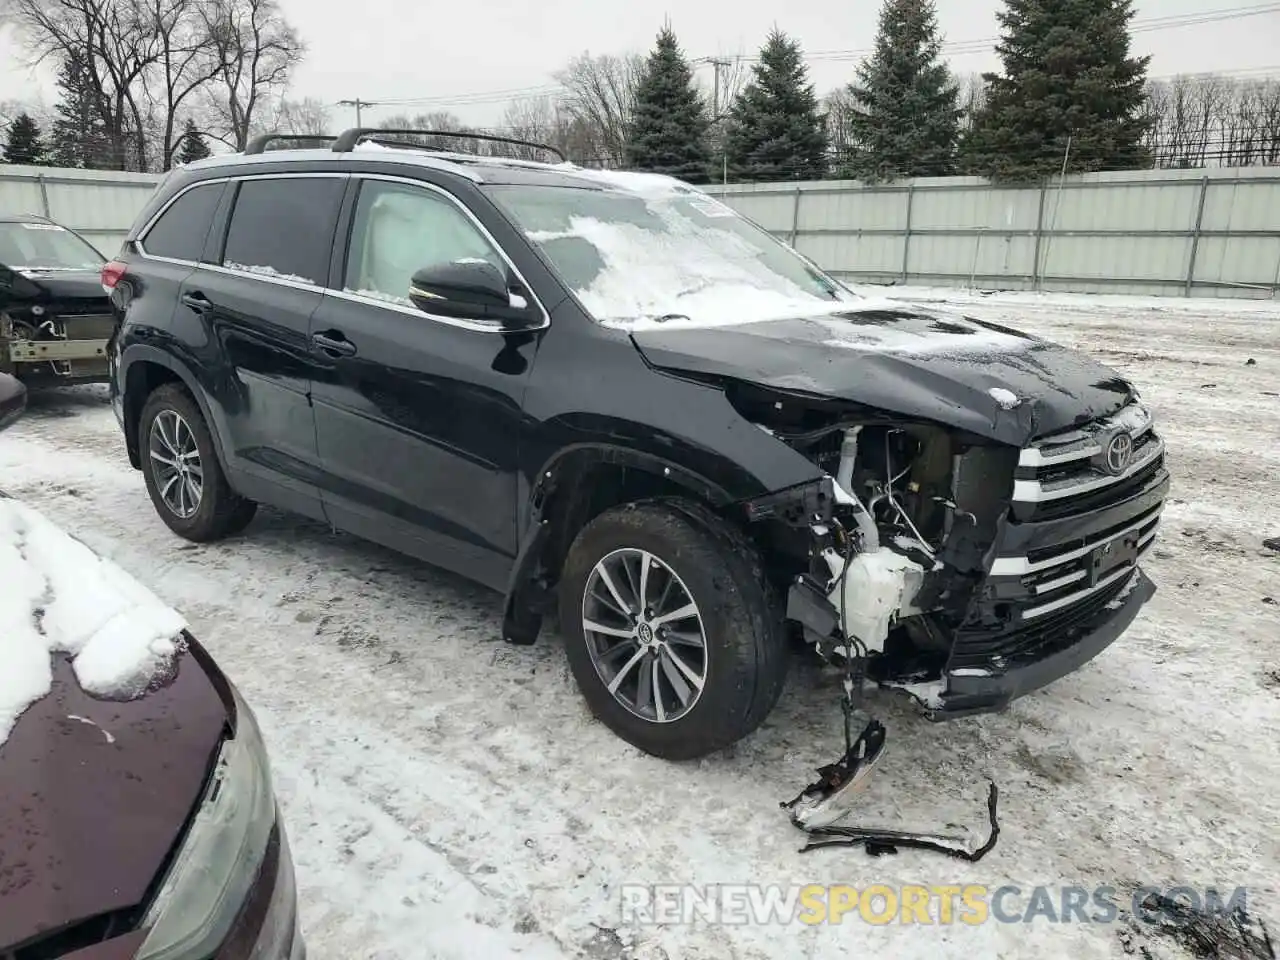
{"x":90,"y":810}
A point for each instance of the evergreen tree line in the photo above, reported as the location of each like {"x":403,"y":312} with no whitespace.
{"x":1070,"y":92}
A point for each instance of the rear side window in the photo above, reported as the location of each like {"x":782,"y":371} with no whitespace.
{"x":284,"y":228}
{"x":181,"y":231}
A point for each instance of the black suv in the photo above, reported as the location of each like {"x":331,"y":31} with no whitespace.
{"x":609,"y":394}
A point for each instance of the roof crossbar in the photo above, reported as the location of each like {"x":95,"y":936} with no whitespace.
{"x":259,"y":144}
{"x":347,"y":141}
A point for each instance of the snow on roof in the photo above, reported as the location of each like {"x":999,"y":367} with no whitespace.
{"x":58,"y":596}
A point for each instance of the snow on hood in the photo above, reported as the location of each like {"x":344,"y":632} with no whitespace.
{"x":58,"y":596}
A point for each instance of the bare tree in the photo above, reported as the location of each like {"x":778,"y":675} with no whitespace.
{"x":439,"y":120}
{"x":1214,"y":120}
{"x":186,"y":62}
{"x":840,"y":109}
{"x":308,"y":115}
{"x":255,"y":51}
{"x":117,"y":47}
{"x":599,"y":96}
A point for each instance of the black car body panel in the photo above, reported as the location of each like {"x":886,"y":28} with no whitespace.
{"x":908,"y":362}
{"x":483,"y":449}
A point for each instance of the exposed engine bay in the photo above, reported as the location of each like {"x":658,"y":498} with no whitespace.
{"x":37,"y":343}
{"x":896,"y":538}
{"x":897,"y":548}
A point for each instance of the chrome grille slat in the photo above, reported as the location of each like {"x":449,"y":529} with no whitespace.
{"x":1087,"y":481}
{"x":1021,"y":566}
{"x":1081,"y":444}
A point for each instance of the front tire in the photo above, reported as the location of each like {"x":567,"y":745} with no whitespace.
{"x":182,"y":472}
{"x":698,"y":664}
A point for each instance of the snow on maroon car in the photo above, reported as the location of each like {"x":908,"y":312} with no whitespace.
{"x":137,"y":815}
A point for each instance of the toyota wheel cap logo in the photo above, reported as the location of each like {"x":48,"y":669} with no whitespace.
{"x":1119,"y":453}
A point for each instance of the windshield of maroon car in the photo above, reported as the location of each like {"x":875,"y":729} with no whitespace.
{"x":45,"y":246}
{"x":666,"y":255}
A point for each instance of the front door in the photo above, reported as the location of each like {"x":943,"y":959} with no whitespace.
{"x":418,"y":417}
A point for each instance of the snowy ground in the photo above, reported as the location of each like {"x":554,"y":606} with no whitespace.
{"x":448,"y":796}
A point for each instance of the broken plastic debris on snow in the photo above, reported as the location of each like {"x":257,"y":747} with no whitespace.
{"x":60,"y":597}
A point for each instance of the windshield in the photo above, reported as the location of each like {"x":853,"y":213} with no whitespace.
{"x":45,"y":246}
{"x":667,"y":255}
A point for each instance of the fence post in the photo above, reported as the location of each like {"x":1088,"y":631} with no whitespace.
{"x":1035,"y":264}
{"x":1195,"y":236}
{"x":906,"y":237}
{"x":795,"y":217}
{"x":44,"y":194}
{"x":977,"y":248}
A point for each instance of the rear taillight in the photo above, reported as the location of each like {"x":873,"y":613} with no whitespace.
{"x":112,"y":274}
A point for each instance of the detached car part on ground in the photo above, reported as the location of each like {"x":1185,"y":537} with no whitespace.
{"x":609,"y":394}
{"x":137,"y":815}
{"x":55,"y":319}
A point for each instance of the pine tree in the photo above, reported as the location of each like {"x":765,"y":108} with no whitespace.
{"x":668,"y":128}
{"x":78,"y":138}
{"x":194,"y":146}
{"x":775,"y":130}
{"x":1067,"y":75}
{"x":25,"y":144}
{"x":905,"y":121}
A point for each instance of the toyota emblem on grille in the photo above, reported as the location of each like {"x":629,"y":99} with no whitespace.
{"x":1119,"y":453}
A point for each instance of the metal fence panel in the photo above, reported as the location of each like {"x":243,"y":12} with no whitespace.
{"x":100,"y":204}
{"x":1171,"y":232}
{"x":1168,"y":232}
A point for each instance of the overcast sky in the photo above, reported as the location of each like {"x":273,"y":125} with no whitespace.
{"x":472,"y":57}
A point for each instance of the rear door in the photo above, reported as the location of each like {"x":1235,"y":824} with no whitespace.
{"x":418,"y":416}
{"x":251,"y":309}
{"x":164,"y":255}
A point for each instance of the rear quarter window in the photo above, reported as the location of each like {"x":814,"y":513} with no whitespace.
{"x":183,"y":228}
{"x":284,"y":228}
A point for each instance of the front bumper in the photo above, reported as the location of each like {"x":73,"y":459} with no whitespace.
{"x":267,"y":925}
{"x":965,"y":691}
{"x":1056,"y":593}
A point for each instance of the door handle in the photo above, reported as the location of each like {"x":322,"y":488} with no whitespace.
{"x":197,"y":301}
{"x":334,"y":344}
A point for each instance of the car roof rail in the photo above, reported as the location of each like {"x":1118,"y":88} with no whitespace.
{"x":259,"y":144}
{"x":346,"y":142}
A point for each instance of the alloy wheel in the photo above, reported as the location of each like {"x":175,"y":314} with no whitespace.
{"x":175,"y":461}
{"x":645,"y":635}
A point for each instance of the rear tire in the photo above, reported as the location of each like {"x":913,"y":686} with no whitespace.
{"x":711,"y":696}
{"x":183,"y":475}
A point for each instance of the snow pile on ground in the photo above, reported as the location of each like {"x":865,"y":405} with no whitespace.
{"x":58,"y":596}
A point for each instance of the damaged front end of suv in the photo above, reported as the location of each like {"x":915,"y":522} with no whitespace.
{"x":981,"y":503}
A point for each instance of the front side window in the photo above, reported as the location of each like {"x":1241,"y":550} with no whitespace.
{"x":398,"y":230}
{"x":636,"y":253}
{"x":45,"y":246}
{"x":182,"y":229}
{"x":283,"y":228}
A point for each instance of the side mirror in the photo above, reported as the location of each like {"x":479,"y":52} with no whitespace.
{"x":469,"y":290}
{"x":13,"y":399}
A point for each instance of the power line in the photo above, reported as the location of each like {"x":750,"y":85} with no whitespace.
{"x":953,"y":48}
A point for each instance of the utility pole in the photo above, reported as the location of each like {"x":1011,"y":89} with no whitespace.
{"x":718,"y":64}
{"x":717,"y":117}
{"x":358,"y":104}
